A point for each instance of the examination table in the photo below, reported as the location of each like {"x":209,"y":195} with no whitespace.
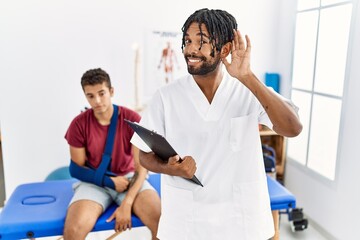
{"x":38,"y":209}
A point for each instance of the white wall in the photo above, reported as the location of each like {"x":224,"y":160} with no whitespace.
{"x":334,"y":206}
{"x":45,"y":47}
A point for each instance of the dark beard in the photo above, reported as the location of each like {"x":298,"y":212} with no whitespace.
{"x":205,"y":68}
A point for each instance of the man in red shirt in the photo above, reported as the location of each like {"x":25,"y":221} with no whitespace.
{"x":86,"y":136}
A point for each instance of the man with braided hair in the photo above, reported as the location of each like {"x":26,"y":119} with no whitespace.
{"x":211,"y":119}
{"x":126,"y":182}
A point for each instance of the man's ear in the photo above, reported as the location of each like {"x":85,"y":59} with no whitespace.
{"x":111,"y":91}
{"x":225,"y":50}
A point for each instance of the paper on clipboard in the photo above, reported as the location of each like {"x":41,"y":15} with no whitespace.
{"x":158,"y":144}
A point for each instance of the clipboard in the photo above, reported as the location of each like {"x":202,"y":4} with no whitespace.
{"x":158,"y":144}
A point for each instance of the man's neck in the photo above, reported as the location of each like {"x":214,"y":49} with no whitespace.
{"x":209,"y":83}
{"x":105,"y":117}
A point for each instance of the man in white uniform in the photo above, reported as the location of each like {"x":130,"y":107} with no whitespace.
{"x":211,"y":118}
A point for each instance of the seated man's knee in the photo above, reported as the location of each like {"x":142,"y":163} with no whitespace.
{"x":77,"y":229}
{"x":81,"y":218}
{"x":148,"y":208}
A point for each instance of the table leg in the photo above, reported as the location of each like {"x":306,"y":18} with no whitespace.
{"x":275,"y":215}
{"x":113,"y":235}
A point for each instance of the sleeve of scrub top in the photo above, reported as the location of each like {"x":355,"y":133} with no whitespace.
{"x":264,"y":118}
{"x":152,"y":118}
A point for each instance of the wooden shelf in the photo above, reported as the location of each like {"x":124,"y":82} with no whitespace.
{"x":278,"y":143}
{"x":267,"y":132}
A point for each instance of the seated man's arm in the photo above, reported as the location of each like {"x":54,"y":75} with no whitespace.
{"x":123,"y":212}
{"x":78,"y":155}
{"x":79,"y":170}
{"x":138,"y":179}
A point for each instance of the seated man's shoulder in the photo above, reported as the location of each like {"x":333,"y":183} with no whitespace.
{"x":83,"y":115}
{"x":129,"y":114}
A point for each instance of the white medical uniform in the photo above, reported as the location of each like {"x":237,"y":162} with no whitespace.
{"x":223,"y":138}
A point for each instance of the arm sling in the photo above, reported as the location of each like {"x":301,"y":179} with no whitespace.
{"x":101,"y":175}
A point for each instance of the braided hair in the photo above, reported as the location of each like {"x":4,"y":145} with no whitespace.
{"x":219,"y":23}
{"x":95,"y":76}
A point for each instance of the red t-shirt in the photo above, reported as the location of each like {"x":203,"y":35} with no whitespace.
{"x":85,"y":131}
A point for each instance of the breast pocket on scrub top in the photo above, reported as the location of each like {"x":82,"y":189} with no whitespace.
{"x":243,"y":132}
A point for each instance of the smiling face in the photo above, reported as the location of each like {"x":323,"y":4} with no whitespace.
{"x":197,"y":50}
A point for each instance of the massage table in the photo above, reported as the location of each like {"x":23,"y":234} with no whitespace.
{"x":38,"y":209}
{"x":280,"y":199}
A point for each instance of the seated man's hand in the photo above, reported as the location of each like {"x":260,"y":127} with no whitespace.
{"x":121,"y":183}
{"x":122,"y":215}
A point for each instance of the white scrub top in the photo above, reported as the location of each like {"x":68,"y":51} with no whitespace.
{"x":223,"y":138}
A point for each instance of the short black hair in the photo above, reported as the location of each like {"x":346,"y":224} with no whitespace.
{"x":95,"y":76}
{"x":219,"y":23}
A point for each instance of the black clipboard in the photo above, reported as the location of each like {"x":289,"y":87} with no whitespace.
{"x":158,"y":144}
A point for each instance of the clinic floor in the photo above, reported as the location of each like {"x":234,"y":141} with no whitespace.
{"x":142,"y":233}
{"x":285,"y":233}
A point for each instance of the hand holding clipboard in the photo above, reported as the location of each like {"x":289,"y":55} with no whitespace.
{"x":158,"y":144}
